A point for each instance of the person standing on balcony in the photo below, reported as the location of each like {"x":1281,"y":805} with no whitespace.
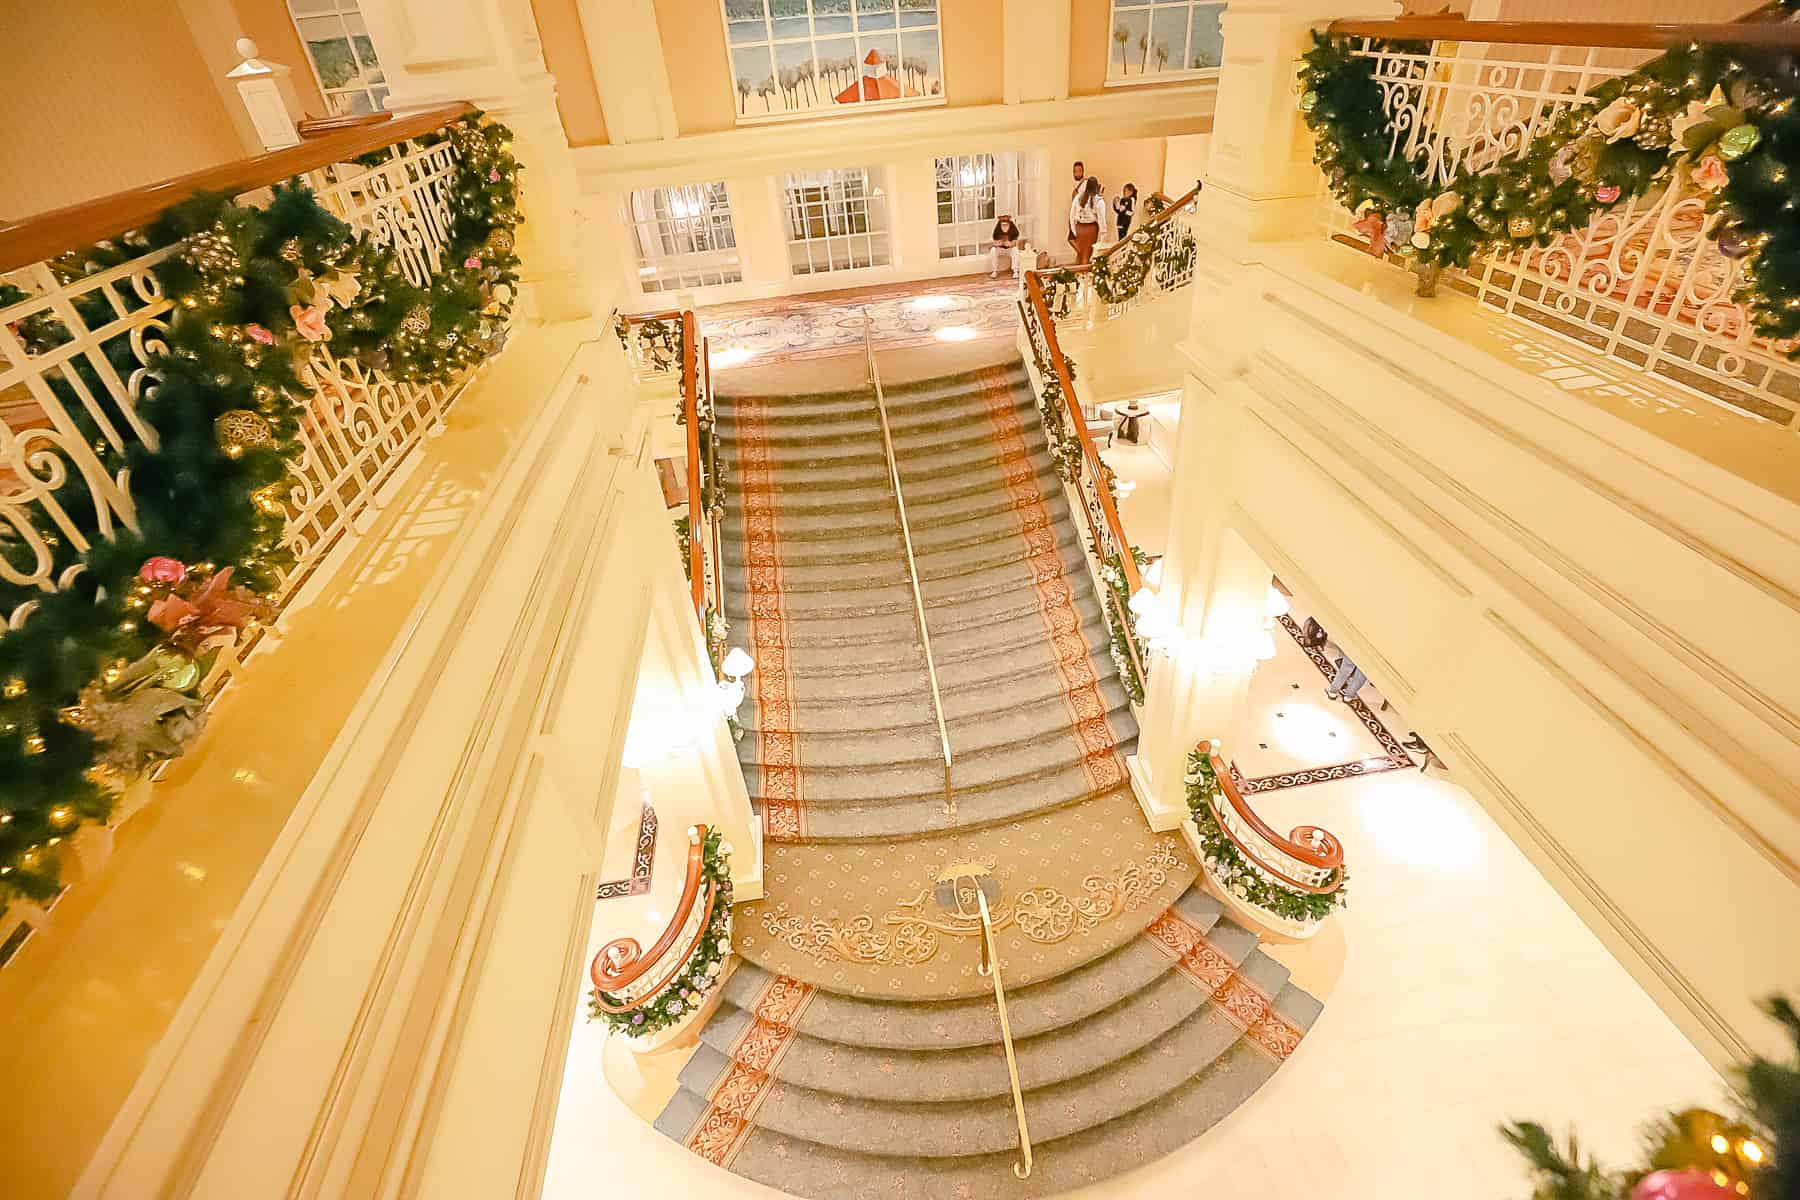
{"x":1080,"y":178}
{"x":1005,"y":248}
{"x":1123,"y":206}
{"x":1347,"y":682}
{"x":1086,"y":212}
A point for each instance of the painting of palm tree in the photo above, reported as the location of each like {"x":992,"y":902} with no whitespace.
{"x":793,"y":57}
{"x":1164,"y":36}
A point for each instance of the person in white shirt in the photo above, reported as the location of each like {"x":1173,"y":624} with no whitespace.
{"x":1086,"y":211}
{"x":1005,"y":248}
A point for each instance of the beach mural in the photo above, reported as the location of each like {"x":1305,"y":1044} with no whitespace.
{"x":792,"y":57}
{"x":1157,"y":37}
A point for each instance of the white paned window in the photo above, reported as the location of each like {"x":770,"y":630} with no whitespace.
{"x":973,"y":190}
{"x":684,"y":237}
{"x":342,"y":56}
{"x":1162,"y":39}
{"x":794,"y":57}
{"x":837,"y":221}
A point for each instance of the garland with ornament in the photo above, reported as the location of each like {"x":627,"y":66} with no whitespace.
{"x":1722,"y":117}
{"x":101,"y":678}
{"x":1112,"y":573}
{"x":1165,"y":254}
{"x":1696,"y":1154}
{"x":698,"y":975}
{"x":1226,"y":864}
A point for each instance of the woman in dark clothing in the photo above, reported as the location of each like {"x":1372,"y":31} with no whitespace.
{"x":1005,"y":247}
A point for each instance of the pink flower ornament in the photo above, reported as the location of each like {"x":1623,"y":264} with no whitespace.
{"x":1710,"y":175}
{"x":1606,"y":193}
{"x":309,"y":323}
{"x":259,"y":335}
{"x":472,"y":262}
{"x":494,"y":175}
{"x":161,"y":569}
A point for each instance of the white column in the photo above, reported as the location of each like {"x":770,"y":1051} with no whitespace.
{"x":487,"y":52}
{"x":1260,"y":184}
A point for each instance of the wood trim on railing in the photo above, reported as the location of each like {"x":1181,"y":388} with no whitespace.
{"x":49,"y":234}
{"x":1614,"y":34}
{"x":1088,"y":450}
{"x":622,"y":962}
{"x":690,"y":406}
{"x":1329,"y":856}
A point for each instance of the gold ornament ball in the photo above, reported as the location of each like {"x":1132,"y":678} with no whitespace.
{"x":416,"y":321}
{"x":500,"y":240}
{"x":267,"y":499}
{"x":240,"y":430}
{"x":290,"y":250}
{"x":1520,"y":226}
{"x":34,"y":744}
{"x":15,"y":688}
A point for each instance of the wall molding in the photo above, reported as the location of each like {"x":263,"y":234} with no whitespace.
{"x":1724,"y":1035}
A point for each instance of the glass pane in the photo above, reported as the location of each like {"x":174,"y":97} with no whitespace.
{"x":744,"y":33}
{"x":875,"y":16}
{"x":789,"y":18}
{"x":755,"y":80}
{"x":1130,"y":43}
{"x":915,"y":13}
{"x":838,"y":69}
{"x":744,"y":10}
{"x":1205,"y":43}
{"x":831,"y":16}
{"x":920,"y":73}
{"x":876,"y":55}
{"x":1168,"y":39}
{"x":301,"y":8}
{"x":380,"y":96}
{"x":794,"y":77}
{"x":360,"y":102}
{"x":330,"y":50}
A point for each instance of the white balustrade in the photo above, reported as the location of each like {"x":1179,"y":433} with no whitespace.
{"x":1641,"y":283}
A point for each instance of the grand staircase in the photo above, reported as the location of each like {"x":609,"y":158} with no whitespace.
{"x":857,"y":1050}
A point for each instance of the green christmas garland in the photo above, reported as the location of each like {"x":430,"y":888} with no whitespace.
{"x":101,"y":679}
{"x":1727,"y":118}
{"x":704,"y":967}
{"x":1112,"y":573}
{"x":1227,"y":864}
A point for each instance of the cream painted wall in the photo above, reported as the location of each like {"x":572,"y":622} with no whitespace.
{"x":973,"y":37}
{"x":101,"y":96}
{"x":700,"y":75}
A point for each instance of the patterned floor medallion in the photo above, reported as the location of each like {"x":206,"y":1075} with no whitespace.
{"x":910,"y":932}
{"x":1214,"y":974}
{"x":1393,"y":758}
{"x":643,"y":858}
{"x":1056,"y":599}
{"x":780,"y":793}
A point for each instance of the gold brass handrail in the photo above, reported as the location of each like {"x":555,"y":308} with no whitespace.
{"x":990,"y":966}
{"x":912,"y":566}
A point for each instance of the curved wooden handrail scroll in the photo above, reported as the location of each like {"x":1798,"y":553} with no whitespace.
{"x":622,"y":962}
{"x":48,"y":234}
{"x":1308,"y":844}
{"x":1610,"y":34}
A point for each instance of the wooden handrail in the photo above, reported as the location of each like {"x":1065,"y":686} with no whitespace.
{"x":1162,"y":218}
{"x":622,"y":962}
{"x":48,"y":234}
{"x":1614,"y":34}
{"x":1089,"y":451}
{"x":1317,"y":848}
{"x":690,"y":405}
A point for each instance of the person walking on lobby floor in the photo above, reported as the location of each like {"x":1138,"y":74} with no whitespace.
{"x":1347,"y":682}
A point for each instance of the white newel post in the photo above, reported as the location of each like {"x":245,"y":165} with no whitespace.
{"x":1260,"y":185}
{"x":268,"y":97}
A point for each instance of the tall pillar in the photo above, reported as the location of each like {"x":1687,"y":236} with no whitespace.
{"x":487,"y":52}
{"x":630,"y":73}
{"x":1260,"y":186}
{"x":1035,"y":51}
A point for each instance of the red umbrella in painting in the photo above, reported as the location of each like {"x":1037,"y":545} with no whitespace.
{"x":876,"y":83}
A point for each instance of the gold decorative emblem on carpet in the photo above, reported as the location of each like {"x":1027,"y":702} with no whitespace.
{"x":912,"y":931}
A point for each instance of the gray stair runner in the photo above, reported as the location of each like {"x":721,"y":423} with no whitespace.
{"x":1122,"y":1058}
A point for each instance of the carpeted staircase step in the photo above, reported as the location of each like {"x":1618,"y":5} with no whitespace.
{"x":874,"y":542}
{"x":978,"y":1072}
{"x":950,"y":1024}
{"x":904,"y":401}
{"x":970,"y":617}
{"x":868,"y":473}
{"x":959,"y":420}
{"x":886,"y":820}
{"x":978,"y":505}
{"x":921,"y":495}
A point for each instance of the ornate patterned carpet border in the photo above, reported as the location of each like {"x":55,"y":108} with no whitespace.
{"x":1214,"y":974}
{"x":1056,"y":598}
{"x":719,"y":1131}
{"x":780,"y":791}
{"x":1393,"y":758}
{"x":643,"y":859}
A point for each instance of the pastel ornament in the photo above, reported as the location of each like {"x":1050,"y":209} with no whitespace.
{"x":1690,"y":1184}
{"x":1735,"y":143}
{"x":259,"y":335}
{"x":1618,"y":120}
{"x":162,"y":569}
{"x":309,"y":322}
{"x":1606,"y":193}
{"x":1710,"y":175}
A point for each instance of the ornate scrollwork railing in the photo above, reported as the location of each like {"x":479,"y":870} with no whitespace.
{"x":1641,"y":282}
{"x":1158,"y":257}
{"x":85,"y":328}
